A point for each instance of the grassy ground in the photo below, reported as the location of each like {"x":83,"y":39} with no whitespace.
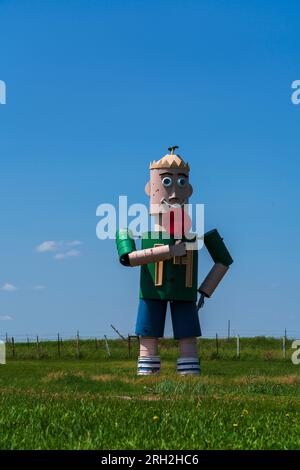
{"x":99,"y":403}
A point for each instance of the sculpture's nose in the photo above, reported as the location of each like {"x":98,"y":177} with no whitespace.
{"x":173,"y":196}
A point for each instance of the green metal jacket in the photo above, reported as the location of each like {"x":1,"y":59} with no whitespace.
{"x":173,"y":286}
{"x":173,"y":283}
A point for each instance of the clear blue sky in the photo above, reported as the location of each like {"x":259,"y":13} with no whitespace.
{"x":97,"y":89}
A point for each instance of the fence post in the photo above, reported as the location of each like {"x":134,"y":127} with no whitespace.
{"x":27,"y":344}
{"x":129,"y":346}
{"x":77,"y":346}
{"x":217,"y":344}
{"x":38,"y":347}
{"x":107,"y":346}
{"x":58,"y":345}
{"x":13,"y":346}
{"x":284,"y":347}
{"x":238,"y":349}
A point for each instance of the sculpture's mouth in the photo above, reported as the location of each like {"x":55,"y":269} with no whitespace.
{"x":174,"y":205}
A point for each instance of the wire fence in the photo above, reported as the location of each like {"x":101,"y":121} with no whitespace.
{"x":224,"y":344}
{"x":207,"y":334}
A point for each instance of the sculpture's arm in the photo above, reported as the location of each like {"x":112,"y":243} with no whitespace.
{"x":130,"y":256}
{"x":222,"y":259}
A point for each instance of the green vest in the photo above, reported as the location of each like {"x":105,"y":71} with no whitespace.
{"x":174,"y":279}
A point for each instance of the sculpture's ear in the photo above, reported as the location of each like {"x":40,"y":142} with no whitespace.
{"x":190,"y":190}
{"x":147,"y":189}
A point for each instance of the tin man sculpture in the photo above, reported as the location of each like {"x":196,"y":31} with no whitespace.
{"x":169,"y":267}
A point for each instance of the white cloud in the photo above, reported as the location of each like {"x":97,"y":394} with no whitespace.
{"x":39,"y":287}
{"x":67,"y":254}
{"x":64,"y":249}
{"x":8,"y":287}
{"x":5,"y":318}
{"x":47,"y":246}
{"x":74,"y":243}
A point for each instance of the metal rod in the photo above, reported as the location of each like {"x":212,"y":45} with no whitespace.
{"x":107,"y":346}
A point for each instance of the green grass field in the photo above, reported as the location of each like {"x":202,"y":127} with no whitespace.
{"x":97,"y":402}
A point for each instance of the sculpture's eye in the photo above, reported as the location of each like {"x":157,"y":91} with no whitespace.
{"x":167,"y":181}
{"x":181,"y":182}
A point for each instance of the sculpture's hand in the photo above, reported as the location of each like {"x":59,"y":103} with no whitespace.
{"x":200,"y":302}
{"x":179,"y":249}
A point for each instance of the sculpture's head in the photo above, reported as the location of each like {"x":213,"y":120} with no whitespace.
{"x":169,"y":185}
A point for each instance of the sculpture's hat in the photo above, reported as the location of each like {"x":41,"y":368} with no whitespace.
{"x":170,"y":160}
